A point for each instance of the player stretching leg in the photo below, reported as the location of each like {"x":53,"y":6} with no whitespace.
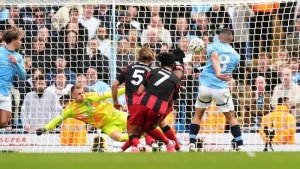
{"x":155,"y":95}
{"x":133,"y":75}
{"x":11,"y":63}
{"x":90,"y":109}
{"x":222,"y":60}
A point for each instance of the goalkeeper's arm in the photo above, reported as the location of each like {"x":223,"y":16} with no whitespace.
{"x":51,"y":125}
{"x":105,"y":95}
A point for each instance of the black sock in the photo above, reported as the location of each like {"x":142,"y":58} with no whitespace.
{"x":194,"y":130}
{"x":166,"y":128}
{"x":236,"y":132}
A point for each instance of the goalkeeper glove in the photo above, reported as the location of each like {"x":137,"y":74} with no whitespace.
{"x":40,"y":131}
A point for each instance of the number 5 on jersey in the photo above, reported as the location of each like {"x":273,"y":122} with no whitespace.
{"x":137,"y":74}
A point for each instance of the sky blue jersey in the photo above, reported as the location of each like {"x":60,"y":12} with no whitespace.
{"x":229,"y":61}
{"x":8,"y":70}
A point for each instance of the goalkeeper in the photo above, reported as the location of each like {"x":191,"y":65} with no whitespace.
{"x":92,"y":109}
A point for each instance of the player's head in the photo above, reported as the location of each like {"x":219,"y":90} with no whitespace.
{"x":166,"y":59}
{"x":226,"y":35}
{"x":13,"y":37}
{"x":65,"y":100}
{"x":77,"y":93}
{"x":178,"y":55}
{"x":146,"y":55}
{"x":40,"y":83}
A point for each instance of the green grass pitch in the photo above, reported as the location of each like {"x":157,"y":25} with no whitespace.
{"x":276,"y":160}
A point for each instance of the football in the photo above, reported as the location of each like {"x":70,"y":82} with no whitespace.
{"x":196,"y":45}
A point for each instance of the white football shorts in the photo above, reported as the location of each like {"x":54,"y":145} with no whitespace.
{"x":5,"y":103}
{"x":222,"y":98}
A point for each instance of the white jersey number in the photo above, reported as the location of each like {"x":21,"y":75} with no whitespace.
{"x":165,"y":77}
{"x":224,"y":59}
{"x":139,"y":78}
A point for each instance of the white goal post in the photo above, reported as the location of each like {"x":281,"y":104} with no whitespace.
{"x":71,"y":37}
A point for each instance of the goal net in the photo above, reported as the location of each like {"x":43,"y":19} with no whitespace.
{"x":90,"y":42}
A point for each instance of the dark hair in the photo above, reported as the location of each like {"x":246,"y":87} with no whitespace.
{"x":39,"y":77}
{"x":11,"y":34}
{"x":65,"y":97}
{"x":74,"y":87}
{"x":281,"y":100}
{"x":178,"y":55}
{"x":73,"y":10}
{"x":40,"y":9}
{"x":166,"y":59}
{"x":226,"y":31}
{"x":121,"y":38}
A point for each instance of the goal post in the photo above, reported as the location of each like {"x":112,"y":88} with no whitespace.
{"x":91,"y":41}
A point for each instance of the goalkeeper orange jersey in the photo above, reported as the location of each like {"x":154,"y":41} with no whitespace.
{"x":94,"y":110}
{"x":212,"y":121}
{"x":265,"y":7}
{"x":284,"y":124}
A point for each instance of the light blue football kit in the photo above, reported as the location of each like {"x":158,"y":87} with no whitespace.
{"x":212,"y":87}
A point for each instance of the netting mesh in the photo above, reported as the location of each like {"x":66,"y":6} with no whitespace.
{"x":90,"y":42}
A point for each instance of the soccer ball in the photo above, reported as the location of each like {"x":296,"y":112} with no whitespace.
{"x":197,"y":45}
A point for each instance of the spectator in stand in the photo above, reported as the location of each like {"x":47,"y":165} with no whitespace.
{"x":292,"y":40}
{"x":134,"y":43}
{"x":163,"y":34}
{"x":294,"y":64}
{"x":40,"y":106}
{"x":164,"y":48}
{"x":93,"y":82}
{"x":263,"y":69}
{"x":103,"y":40}
{"x":199,"y":61}
{"x":40,"y":56}
{"x":127,"y":18}
{"x":39,"y":20}
{"x":182,"y":29}
{"x":95,"y":59}
{"x":218,"y":18}
{"x":27,"y":12}
{"x":35,"y":73}
{"x":60,"y":66}
{"x":290,"y":90}
{"x":153,"y":41}
{"x":60,"y":86}
{"x":149,"y":12}
{"x":282,"y":122}
{"x":89,"y":21}
{"x":81,"y":80}
{"x":202,"y":26}
{"x":283,"y":55}
{"x":13,"y":21}
{"x":257,"y":103}
{"x":72,"y":50}
{"x":44,"y":34}
{"x":278,"y":66}
{"x":75,"y":25}
{"x":62,"y":17}
{"x":183,"y":44}
{"x":241,"y":14}
{"x":123,"y":58}
{"x":103,"y":13}
{"x":4,"y":13}
{"x":133,"y":13}
{"x":261,"y":26}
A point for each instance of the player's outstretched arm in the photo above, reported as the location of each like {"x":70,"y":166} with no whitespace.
{"x":107,"y":95}
{"x":114,"y":92}
{"x":217,"y":68}
{"x":51,"y":125}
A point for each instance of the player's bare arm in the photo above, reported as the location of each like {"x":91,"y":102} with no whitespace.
{"x":114,"y":91}
{"x":141,"y":89}
{"x":217,"y":68}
